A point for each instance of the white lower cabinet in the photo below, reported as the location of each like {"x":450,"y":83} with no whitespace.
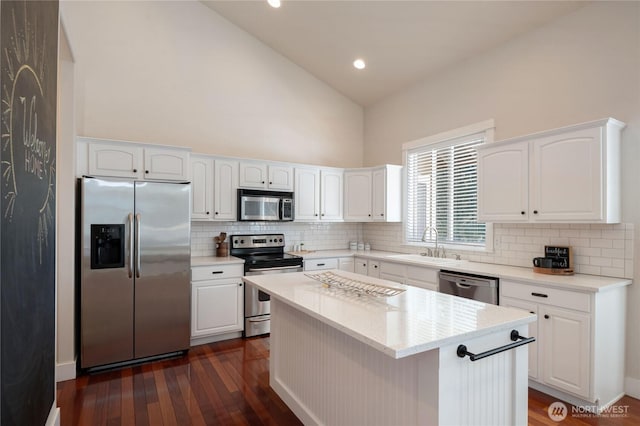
{"x":342,"y":263}
{"x":580,"y":339}
{"x":417,"y":276}
{"x":346,"y":264}
{"x":217,"y":300}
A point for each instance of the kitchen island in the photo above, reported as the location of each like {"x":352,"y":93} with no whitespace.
{"x":342,"y":359}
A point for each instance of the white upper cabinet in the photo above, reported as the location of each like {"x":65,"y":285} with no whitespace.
{"x":266,"y":176}
{"x":201,"y":187}
{"x":117,"y":160}
{"x":331,"y":194}
{"x":307,"y":194}
{"x":318,"y":194}
{"x":225,"y":189}
{"x":214,"y":184}
{"x":565,"y":175}
{"x":373,"y":194}
{"x":166,"y":164}
{"x":503,"y":183}
{"x":357,"y":195}
{"x":131,"y":160}
{"x":386,"y":197}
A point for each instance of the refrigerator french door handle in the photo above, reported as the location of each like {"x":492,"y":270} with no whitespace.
{"x":131,"y":245}
{"x":138,"y":271}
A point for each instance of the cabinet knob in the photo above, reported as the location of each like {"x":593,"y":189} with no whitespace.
{"x":531,"y":312}
{"x":216,"y":213}
{"x":322,"y":214}
{"x":375,"y":266}
{"x":535,"y":212}
{"x":240,"y":285}
{"x":270,"y":183}
{"x":546,"y":317}
{"x":146,"y":171}
{"x":369,"y":215}
{"x":316,"y":214}
{"x":381,"y":214}
{"x":207,"y":212}
{"x":522,"y":212}
{"x":262,"y":181}
{"x":135,"y":170}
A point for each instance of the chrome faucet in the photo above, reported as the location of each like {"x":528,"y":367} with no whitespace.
{"x":436,"y":250}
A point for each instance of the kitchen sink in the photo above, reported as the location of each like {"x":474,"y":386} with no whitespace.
{"x":438,"y":261}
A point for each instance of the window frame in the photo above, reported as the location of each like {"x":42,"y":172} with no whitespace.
{"x":438,"y":141}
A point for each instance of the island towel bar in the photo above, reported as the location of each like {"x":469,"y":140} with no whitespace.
{"x":515,"y":336}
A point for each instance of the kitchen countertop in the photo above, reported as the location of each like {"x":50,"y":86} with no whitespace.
{"x":580,"y":282}
{"x":212,"y":260}
{"x":412,"y":322}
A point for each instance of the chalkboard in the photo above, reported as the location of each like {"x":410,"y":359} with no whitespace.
{"x":561,"y":256}
{"x":28,"y":79}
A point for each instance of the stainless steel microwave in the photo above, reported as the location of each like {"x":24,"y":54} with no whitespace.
{"x":258,"y":205}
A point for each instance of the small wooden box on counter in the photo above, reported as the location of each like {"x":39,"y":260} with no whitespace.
{"x":562,"y":258}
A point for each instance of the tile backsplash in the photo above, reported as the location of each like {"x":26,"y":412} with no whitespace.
{"x":315,"y":236}
{"x":597,"y":249}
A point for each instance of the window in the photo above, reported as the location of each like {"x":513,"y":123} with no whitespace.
{"x":442,"y":188}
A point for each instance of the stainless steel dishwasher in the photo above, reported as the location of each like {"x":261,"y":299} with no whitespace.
{"x":476,"y":287}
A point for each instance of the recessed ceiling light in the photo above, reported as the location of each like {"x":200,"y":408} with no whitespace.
{"x":359,"y":64}
{"x":274,"y":3}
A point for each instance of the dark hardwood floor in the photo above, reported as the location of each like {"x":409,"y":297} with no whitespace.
{"x":225,"y":383}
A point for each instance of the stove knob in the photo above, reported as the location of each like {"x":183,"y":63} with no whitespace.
{"x":280,"y":239}
{"x":270,"y":241}
{"x":241,"y":241}
{"x":235,"y":241}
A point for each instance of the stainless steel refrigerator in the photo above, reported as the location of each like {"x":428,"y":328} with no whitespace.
{"x":135,"y":253}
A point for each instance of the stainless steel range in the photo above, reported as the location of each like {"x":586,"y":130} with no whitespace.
{"x":262,"y":254}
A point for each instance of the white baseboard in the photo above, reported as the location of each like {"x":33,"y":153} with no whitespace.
{"x":65,"y":371}
{"x":632,"y":387}
{"x":54,"y":416}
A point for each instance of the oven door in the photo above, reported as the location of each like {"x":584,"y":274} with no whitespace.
{"x":257,"y":307}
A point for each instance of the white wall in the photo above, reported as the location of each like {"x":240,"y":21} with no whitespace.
{"x":65,"y":215}
{"x":177,"y":73}
{"x":584,"y":66}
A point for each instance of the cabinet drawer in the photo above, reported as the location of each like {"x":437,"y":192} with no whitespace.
{"x":214,"y":272}
{"x":318,"y":264}
{"x":548,"y":296}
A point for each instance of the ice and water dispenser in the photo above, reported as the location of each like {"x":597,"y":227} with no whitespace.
{"x":107,"y":246}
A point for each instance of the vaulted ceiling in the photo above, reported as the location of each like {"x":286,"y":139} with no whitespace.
{"x":402,"y":42}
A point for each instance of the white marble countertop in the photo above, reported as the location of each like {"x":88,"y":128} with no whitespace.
{"x":412,"y":322}
{"x":213,"y":261}
{"x":579,"y":282}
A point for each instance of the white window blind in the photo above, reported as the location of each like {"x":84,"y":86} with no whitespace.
{"x":442,"y":192}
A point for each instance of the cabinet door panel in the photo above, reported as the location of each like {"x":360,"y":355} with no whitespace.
{"x":280,"y":178}
{"x":216,"y":307}
{"x":225,"y":189}
{"x":332,"y":196}
{"x":378,"y":194}
{"x":567,"y":181}
{"x":360,"y":266}
{"x":346,"y":264}
{"x":253,"y":175}
{"x":357,"y":187}
{"x":166,"y":164}
{"x":503,"y":183}
{"x":567,"y":349}
{"x":307,"y":202}
{"x":115,"y":160}
{"x":201,"y":188}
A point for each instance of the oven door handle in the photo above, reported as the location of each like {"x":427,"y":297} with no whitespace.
{"x":274,"y":269}
{"x":258,"y":320}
